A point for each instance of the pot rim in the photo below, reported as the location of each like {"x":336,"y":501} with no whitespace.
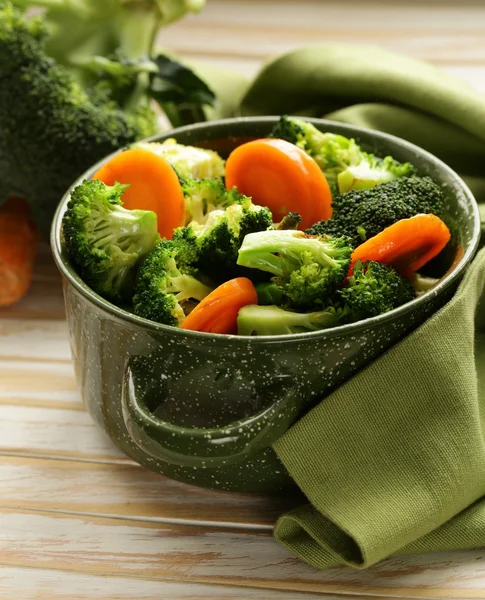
{"x":76,"y":282}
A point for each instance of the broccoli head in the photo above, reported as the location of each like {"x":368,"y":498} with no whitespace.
{"x":188,"y":161}
{"x":373,"y":289}
{"x":202,"y":196}
{"x":51,"y":130}
{"x":167,"y":286}
{"x":105,"y":241}
{"x":361,"y":214}
{"x":218,"y":240}
{"x":345,"y":165}
{"x":308,"y":268}
{"x":274,"y":320}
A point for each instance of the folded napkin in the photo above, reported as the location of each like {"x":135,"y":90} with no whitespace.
{"x":393,"y":461}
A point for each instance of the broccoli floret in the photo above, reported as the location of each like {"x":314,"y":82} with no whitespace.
{"x":372,"y":171}
{"x":290,"y":221}
{"x":308,"y":268}
{"x":218,"y":240}
{"x":51,"y":130}
{"x":166,"y":285}
{"x":105,"y":241}
{"x":274,"y":320}
{"x":202,"y":196}
{"x":361,"y":214}
{"x":345,"y":165}
{"x":270,"y":293}
{"x":373,"y":289}
{"x":188,"y":161}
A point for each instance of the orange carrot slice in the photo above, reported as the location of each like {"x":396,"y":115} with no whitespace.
{"x":406,"y":245}
{"x":217,"y":312}
{"x":154,"y":185}
{"x":281,"y":176}
{"x":18,"y":245}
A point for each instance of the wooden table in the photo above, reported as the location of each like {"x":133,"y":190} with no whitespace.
{"x":78,"y":519}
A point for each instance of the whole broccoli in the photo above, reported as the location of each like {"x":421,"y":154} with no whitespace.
{"x":204,"y":196}
{"x":345,"y":165}
{"x":307,"y":268}
{"x":373,"y":289}
{"x":219,"y":238}
{"x":274,"y":320}
{"x":167,"y":285}
{"x":51,"y":130}
{"x":361,"y":214}
{"x":188,"y":161}
{"x":105,"y":241}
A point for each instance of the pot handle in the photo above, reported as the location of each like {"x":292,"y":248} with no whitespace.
{"x":222,"y":446}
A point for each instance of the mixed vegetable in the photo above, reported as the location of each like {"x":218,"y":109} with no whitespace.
{"x":293,"y":233}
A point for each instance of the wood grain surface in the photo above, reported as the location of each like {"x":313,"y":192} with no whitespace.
{"x":79,"y":520}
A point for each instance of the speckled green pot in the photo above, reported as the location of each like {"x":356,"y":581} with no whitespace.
{"x":205,"y":409}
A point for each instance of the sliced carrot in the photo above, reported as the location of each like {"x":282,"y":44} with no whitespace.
{"x":282,"y":177}
{"x":217,"y":312}
{"x":406,"y":245}
{"x":18,"y":245}
{"x":154,"y":185}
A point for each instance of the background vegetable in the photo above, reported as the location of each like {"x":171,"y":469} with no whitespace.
{"x":406,"y":245}
{"x":105,"y":241}
{"x":281,"y":176}
{"x":153,"y":185}
{"x":218,"y":312}
{"x":18,"y":244}
{"x":113,"y":43}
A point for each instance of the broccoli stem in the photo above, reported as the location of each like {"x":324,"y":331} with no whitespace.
{"x":273,"y":320}
{"x":186,"y":287}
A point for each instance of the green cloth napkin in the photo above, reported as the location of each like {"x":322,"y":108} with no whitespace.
{"x":393,"y":461}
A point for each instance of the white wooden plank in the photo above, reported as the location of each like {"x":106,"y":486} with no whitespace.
{"x":31,"y":430}
{"x":36,"y":339}
{"x":41,"y":584}
{"x":208,"y":555}
{"x":128,"y":490}
{"x":354,"y":15}
{"x":38,"y":383}
{"x":446,"y":48}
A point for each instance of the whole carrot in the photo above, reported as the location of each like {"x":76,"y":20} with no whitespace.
{"x":18,"y":245}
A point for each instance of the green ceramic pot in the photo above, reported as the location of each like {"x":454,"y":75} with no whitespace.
{"x":205,"y":408}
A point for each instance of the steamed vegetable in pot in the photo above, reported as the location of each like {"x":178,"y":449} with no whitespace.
{"x":294,"y":233}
